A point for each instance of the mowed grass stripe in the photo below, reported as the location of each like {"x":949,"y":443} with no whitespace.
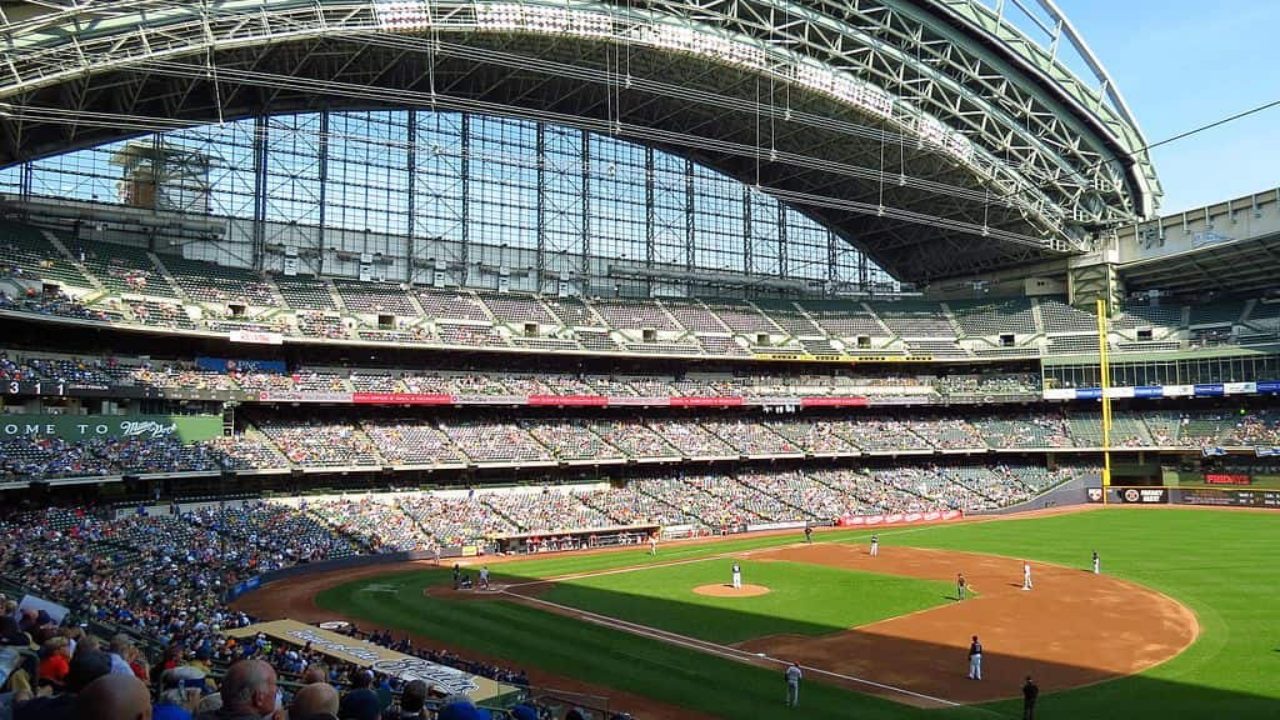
{"x":803,"y":599}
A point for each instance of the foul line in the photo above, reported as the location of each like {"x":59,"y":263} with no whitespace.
{"x":710,"y":647}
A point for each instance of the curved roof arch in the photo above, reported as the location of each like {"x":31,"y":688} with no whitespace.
{"x":937,"y":145}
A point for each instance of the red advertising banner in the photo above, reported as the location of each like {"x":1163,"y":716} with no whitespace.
{"x":1227,"y":479}
{"x":707,"y":402}
{"x":569,"y":400}
{"x":852,"y":401}
{"x":372,"y":398}
{"x":898,"y":518}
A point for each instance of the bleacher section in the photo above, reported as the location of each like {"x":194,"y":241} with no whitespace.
{"x":305,"y":292}
{"x":124,"y":269}
{"x":25,"y":252}
{"x":914,"y":319}
{"x":375,"y":298}
{"x":1059,"y":317}
{"x":731,"y":328}
{"x":212,"y":283}
{"x":985,"y":319}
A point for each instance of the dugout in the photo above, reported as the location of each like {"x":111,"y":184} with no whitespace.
{"x":530,"y":543}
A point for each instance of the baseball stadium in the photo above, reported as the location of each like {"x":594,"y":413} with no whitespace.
{"x":591,"y":360}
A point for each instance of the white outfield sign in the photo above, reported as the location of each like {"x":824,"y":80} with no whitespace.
{"x":255,"y":337}
{"x":899,"y":518}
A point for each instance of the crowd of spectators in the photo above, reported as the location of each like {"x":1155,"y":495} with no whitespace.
{"x":139,"y":371}
{"x":315,"y":443}
{"x":54,"y":302}
{"x":156,"y":585}
{"x":277,"y":442}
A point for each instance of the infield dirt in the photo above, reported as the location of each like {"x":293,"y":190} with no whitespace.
{"x":1074,"y":628}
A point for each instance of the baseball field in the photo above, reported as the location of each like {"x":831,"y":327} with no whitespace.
{"x":1181,"y":623}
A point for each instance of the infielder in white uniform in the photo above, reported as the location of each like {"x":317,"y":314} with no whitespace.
{"x":737,"y":577}
{"x":1026,"y":575}
{"x":975,"y":659}
{"x":1097,"y":566}
{"x":875,"y":545}
{"x":793,"y":676}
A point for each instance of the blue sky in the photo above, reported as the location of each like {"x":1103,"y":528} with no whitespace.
{"x":1182,"y":64}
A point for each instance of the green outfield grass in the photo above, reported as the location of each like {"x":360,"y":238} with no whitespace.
{"x":1222,"y":564}
{"x":803,"y":599}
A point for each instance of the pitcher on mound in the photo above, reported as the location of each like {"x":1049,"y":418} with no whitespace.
{"x":737,"y":577}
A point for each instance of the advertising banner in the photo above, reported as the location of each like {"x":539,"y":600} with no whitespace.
{"x":651,"y":401}
{"x":898,"y":518}
{"x":377,"y":658}
{"x":877,"y":400}
{"x":1148,"y":391}
{"x":1239,"y":388}
{"x":304,"y":397}
{"x":568,"y":400}
{"x":187,"y":428}
{"x":849,"y":401}
{"x":376,"y":398}
{"x":1227,"y":479}
{"x":254,"y":337}
{"x":490,"y":399}
{"x":226,"y":365}
{"x":1179,"y":390}
{"x":1229,"y":498}
{"x":1209,"y":390}
{"x":1143,"y":496}
{"x":1059,"y":394}
{"x":726,"y":401}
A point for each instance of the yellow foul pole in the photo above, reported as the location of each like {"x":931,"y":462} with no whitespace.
{"x":1104,"y":369}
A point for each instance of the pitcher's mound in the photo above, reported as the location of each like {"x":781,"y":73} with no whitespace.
{"x":730,"y":591}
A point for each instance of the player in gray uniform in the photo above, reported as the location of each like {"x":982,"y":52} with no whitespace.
{"x":1097,"y":565}
{"x":793,"y":676}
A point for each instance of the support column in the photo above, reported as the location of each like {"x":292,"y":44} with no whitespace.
{"x":323,"y":173}
{"x":584,"y":264}
{"x":465,"y":250}
{"x":782,"y":240}
{"x":259,"y":191}
{"x":690,"y":214}
{"x":411,"y":186}
{"x":541,"y":152}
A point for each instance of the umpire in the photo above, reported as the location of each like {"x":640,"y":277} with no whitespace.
{"x":1030,"y":691}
